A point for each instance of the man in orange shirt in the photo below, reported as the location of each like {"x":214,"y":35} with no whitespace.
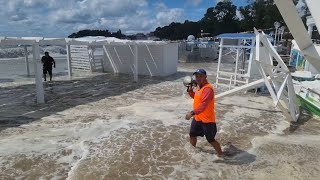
{"x":204,"y":121}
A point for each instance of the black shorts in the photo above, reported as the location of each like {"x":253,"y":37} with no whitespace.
{"x":199,"y":128}
{"x":47,"y":69}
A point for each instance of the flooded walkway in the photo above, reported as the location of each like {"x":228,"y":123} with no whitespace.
{"x":107,"y":127}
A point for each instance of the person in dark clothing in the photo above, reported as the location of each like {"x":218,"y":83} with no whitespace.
{"x":47,"y":62}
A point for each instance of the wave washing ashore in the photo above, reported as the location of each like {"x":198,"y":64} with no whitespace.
{"x":107,"y":127}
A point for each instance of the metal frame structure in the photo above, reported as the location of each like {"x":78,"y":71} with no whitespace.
{"x":277,"y":78}
{"x":298,"y":30}
{"x":280,"y":84}
{"x":243,"y":74}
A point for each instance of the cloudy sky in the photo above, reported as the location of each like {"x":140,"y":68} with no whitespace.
{"x":60,"y":18}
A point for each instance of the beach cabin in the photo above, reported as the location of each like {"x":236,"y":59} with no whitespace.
{"x":155,"y":58}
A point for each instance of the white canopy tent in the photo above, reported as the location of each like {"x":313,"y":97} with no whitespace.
{"x":36,"y":42}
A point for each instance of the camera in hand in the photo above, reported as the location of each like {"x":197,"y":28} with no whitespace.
{"x":188,"y":81}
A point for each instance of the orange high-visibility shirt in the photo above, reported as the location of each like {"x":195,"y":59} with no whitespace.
{"x":208,"y":115}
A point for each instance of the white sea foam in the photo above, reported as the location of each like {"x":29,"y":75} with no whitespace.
{"x":141,"y":133}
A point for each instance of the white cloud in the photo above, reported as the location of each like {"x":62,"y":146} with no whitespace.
{"x":89,"y":10}
{"x":144,"y":20}
{"x":160,"y":7}
{"x":62,"y":17}
{"x":34,"y":3}
{"x":71,"y":16}
{"x":239,"y":15}
{"x":194,"y":2}
{"x":165,"y":15}
{"x":170,"y":15}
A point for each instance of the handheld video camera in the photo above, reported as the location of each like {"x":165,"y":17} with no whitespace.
{"x":188,"y":81}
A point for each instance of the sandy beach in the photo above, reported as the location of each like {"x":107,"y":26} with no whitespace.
{"x":105,"y":126}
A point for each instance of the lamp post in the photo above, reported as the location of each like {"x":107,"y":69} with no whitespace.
{"x":282,"y":31}
{"x":271,"y":34}
{"x":276,"y":25}
{"x":310,"y":24}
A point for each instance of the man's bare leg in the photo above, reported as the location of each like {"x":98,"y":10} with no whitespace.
{"x":217,"y":147}
{"x":193,"y":141}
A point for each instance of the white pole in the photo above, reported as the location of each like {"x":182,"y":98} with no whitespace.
{"x":241,"y":88}
{"x":93,"y":60}
{"x":310,"y":29}
{"x":251,"y":56}
{"x":237,"y":60}
{"x":38,"y":72}
{"x":219,"y":60}
{"x":26,"y":60}
{"x":220,"y":53}
{"x":275,"y":37}
{"x":89,"y":50}
{"x":136,"y":63}
{"x":69,"y":60}
{"x":307,"y":64}
{"x":282,"y":32}
{"x":279,"y":35}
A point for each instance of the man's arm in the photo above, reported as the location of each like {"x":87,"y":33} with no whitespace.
{"x":54,"y":63}
{"x":206,"y":96}
{"x":190,"y":92}
{"x":42,"y":60}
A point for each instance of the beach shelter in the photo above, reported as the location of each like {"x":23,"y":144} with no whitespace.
{"x":35,"y":42}
{"x":120,"y":56}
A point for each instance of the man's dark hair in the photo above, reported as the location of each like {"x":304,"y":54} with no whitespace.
{"x":46,"y":52}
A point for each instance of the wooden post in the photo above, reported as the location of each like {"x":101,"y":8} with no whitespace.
{"x":135,"y":75}
{"x":38,"y":72}
{"x":26,"y":60}
{"x":93,"y":60}
{"x":102,"y":63}
{"x":69,"y":60}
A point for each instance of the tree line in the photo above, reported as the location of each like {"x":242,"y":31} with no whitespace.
{"x":88,"y":32}
{"x":225,"y":17}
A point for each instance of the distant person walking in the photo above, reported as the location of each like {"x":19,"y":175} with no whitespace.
{"x":47,"y":62}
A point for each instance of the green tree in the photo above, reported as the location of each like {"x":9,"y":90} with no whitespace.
{"x":88,"y":32}
{"x":225,"y":14}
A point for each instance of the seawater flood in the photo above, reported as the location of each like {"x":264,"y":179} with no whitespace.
{"x":107,"y":127}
